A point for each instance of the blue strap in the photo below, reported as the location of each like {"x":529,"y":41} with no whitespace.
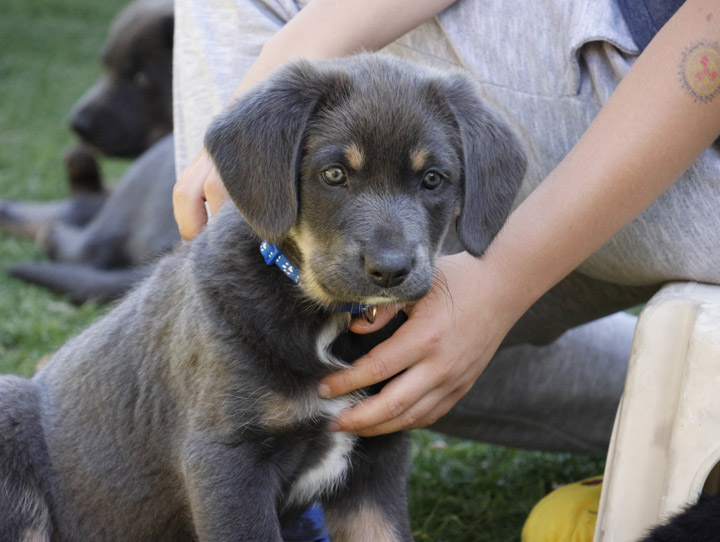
{"x":274,"y":256}
{"x":310,"y":527}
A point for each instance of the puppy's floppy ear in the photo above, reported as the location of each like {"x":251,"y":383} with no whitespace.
{"x":493,"y":163}
{"x":257,"y":144}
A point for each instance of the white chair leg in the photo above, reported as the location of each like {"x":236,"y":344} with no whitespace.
{"x":666,"y":438}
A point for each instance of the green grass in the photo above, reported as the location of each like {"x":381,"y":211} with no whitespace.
{"x":460,"y":491}
{"x":463,"y":491}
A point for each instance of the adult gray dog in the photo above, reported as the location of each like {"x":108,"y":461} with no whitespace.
{"x":190,"y":411}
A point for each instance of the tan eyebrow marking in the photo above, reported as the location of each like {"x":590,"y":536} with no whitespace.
{"x":355,"y":156}
{"x":418,"y":157}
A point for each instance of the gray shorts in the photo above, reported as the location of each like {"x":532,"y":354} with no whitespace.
{"x":548,"y":67}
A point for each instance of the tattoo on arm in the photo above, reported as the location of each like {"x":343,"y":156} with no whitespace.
{"x":700,"y":71}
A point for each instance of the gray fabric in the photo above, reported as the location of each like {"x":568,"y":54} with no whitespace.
{"x":560,"y":397}
{"x":548,"y":67}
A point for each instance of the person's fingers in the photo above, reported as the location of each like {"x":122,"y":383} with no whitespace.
{"x":384,"y":361}
{"x":402,"y":395}
{"x":417,"y":397}
{"x":423,"y":413}
{"x":189,"y":198}
{"x":383,"y":315}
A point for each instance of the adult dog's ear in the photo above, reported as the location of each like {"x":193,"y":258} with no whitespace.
{"x":257,"y":144}
{"x":493,"y":166}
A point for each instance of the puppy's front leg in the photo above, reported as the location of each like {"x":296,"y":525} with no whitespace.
{"x":372,"y":505}
{"x":232,"y":491}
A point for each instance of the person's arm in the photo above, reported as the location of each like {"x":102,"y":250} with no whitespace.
{"x":323,"y":29}
{"x":651,"y":129}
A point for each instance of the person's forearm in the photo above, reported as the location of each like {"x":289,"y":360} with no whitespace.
{"x":652,"y":128}
{"x":335,"y":28}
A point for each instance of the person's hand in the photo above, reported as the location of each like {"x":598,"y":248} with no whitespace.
{"x":448,"y":340}
{"x":199,"y":183}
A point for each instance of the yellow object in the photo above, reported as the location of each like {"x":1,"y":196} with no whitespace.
{"x":568,"y":514}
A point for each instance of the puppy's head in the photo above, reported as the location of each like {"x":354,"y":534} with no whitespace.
{"x":130,"y":107}
{"x":359,"y":167}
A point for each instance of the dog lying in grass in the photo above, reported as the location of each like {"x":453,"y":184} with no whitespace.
{"x":190,"y":411}
{"x":105,"y":241}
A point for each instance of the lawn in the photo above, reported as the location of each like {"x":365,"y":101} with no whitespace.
{"x":460,"y":491}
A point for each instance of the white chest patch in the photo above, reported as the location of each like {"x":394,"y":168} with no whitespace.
{"x":328,"y":473}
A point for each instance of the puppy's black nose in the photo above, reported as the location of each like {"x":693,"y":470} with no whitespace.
{"x":388,"y":268}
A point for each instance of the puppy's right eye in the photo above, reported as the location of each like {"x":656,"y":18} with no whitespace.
{"x":431,"y":180}
{"x":334,"y":176}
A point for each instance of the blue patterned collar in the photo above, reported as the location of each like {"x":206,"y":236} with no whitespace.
{"x":274,"y":256}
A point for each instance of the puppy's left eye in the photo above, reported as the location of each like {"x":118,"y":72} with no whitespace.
{"x":334,"y":176}
{"x":431,"y":180}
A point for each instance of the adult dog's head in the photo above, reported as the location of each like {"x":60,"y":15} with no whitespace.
{"x":358,"y":167}
{"x":130,"y":106}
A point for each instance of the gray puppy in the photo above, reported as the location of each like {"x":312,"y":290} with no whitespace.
{"x":190,"y":411}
